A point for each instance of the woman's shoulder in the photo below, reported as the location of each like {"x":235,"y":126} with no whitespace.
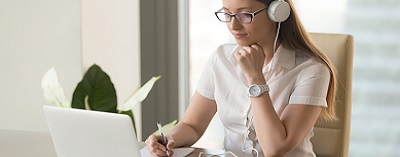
{"x":310,"y":63}
{"x":227,"y":48}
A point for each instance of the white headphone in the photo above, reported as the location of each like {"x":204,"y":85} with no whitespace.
{"x":278,"y":11}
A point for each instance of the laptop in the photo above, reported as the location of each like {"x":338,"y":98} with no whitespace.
{"x":83,"y":133}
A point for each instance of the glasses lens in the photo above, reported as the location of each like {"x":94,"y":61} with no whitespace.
{"x":243,"y":17}
{"x":224,"y":17}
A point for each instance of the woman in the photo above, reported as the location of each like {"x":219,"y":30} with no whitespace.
{"x":269,"y":88}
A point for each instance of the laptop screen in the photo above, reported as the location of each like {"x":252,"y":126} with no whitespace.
{"x":83,"y":133}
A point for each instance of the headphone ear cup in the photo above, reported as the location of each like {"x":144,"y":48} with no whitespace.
{"x":278,"y":11}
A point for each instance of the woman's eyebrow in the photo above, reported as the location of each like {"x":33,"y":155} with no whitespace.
{"x":239,"y":9}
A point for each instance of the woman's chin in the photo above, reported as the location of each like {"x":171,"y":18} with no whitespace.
{"x":243,"y":43}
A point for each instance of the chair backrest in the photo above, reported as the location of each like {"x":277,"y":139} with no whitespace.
{"x":331,"y":139}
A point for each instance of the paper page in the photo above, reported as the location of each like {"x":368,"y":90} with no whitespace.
{"x":178,"y":152}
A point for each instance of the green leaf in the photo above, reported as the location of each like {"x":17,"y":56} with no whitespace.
{"x":97,"y":85}
{"x":166,"y":128}
{"x":139,"y":95}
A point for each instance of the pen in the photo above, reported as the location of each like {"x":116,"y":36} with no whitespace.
{"x":163,"y":138}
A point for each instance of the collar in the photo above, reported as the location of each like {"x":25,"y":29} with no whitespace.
{"x":282,"y":58}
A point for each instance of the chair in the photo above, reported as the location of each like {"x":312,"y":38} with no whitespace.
{"x":331,"y":139}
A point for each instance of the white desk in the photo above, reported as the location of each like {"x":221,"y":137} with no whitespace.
{"x":14,"y":143}
{"x":196,"y":152}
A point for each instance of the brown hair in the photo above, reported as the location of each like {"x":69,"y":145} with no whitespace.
{"x":294,"y":36}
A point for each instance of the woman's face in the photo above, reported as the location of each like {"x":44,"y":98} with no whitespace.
{"x":261,"y":30}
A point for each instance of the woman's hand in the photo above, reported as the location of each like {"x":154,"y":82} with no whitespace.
{"x":251,"y":61}
{"x":155,"y":147}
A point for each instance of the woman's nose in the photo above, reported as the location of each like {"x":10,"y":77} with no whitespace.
{"x":234,"y":24}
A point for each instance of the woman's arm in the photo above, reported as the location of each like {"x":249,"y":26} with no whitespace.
{"x":195,"y":121}
{"x":277,"y":134}
{"x":190,"y":128}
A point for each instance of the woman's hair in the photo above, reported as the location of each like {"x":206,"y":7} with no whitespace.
{"x":293,"y":36}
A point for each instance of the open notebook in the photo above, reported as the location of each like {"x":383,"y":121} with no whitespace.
{"x":178,"y":152}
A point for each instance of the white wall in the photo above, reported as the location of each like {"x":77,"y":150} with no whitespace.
{"x":111,"y":39}
{"x":322,"y":15}
{"x":34,"y":36}
{"x":70,"y":35}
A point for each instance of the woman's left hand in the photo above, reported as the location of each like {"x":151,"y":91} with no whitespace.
{"x":251,"y":61}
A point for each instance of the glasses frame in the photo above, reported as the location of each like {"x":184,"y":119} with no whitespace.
{"x":234,"y":15}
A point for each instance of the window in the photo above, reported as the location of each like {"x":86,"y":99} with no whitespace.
{"x":206,"y":34}
{"x":375,"y":129}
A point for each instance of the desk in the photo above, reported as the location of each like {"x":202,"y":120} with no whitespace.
{"x":17,"y":143}
{"x":196,"y":152}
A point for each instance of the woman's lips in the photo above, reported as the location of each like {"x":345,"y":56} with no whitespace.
{"x":238,"y":35}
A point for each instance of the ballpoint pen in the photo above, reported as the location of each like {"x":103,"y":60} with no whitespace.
{"x":163,"y":138}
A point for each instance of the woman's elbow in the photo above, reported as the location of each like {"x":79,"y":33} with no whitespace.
{"x":278,"y":151}
{"x":274,"y":153}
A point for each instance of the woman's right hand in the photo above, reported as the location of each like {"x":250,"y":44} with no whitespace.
{"x":156,"y":148}
{"x":251,"y":61}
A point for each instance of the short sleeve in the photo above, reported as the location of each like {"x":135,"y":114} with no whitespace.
{"x":312,"y":85}
{"x":206,"y":85}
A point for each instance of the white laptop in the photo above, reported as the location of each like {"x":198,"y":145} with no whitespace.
{"x":82,"y":133}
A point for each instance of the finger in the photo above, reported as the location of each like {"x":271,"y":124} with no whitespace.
{"x":158,"y":150}
{"x":152,"y":143}
{"x":152,"y":139}
{"x":246,"y":49}
{"x":170,"y":141}
{"x":171,"y":145}
{"x":158,"y":145}
{"x":242,"y":52}
{"x":255,"y":48}
{"x":239,"y":57}
{"x":238,"y":54}
{"x":171,"y":152}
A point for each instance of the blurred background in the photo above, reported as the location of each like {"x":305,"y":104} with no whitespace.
{"x":133,"y":40}
{"x":375,"y":25}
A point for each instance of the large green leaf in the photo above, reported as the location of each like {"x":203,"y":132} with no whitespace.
{"x":96,"y":84}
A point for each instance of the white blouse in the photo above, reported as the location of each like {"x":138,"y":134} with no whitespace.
{"x":293,"y":78}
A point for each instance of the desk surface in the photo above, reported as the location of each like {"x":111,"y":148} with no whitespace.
{"x":196,"y":152}
{"x":14,"y":143}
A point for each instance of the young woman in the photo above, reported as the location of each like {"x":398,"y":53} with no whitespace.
{"x":269,"y":88}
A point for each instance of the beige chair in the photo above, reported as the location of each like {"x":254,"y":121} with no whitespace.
{"x":331,"y":139}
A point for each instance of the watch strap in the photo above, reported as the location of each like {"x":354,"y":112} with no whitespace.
{"x":263,"y":88}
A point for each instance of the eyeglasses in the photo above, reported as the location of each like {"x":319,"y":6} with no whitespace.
{"x":245,"y":18}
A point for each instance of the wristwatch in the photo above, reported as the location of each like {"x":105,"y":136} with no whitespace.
{"x":256,"y":90}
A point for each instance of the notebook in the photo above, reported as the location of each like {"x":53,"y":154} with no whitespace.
{"x":82,"y":133}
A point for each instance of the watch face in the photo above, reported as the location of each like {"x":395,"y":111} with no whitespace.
{"x":254,"y":90}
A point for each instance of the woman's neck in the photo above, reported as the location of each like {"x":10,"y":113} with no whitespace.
{"x":269,"y":51}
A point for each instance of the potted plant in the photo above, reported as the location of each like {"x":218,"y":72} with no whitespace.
{"x":95,"y":92}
